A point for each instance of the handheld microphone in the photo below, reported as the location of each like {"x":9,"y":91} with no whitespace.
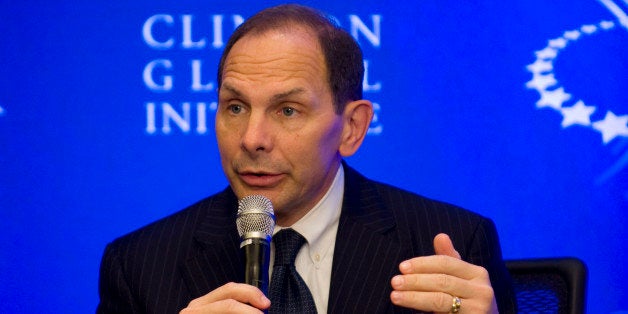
{"x":256,"y":222}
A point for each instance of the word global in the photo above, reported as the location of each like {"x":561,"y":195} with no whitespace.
{"x":158,"y":77}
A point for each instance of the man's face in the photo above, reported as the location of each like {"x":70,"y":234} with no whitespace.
{"x":277,"y":131}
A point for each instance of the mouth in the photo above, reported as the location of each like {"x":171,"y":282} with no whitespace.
{"x":260,"y":179}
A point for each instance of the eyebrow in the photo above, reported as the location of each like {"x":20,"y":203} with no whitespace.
{"x":274,"y":98}
{"x":287,"y":94}
{"x":231,"y":89}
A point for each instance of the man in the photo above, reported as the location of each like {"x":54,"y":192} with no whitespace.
{"x":290,"y":108}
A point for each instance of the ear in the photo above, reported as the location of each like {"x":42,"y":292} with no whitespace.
{"x":356,"y":118}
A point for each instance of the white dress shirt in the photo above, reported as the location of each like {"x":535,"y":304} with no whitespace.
{"x":319,"y":227}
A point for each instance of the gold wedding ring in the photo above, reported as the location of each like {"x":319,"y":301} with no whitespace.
{"x":455,"y":305}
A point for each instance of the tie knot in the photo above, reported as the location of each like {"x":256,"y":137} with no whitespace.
{"x":287,"y":245}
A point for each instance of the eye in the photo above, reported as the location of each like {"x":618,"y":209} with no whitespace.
{"x":235,"y":109}
{"x":287,"y":111}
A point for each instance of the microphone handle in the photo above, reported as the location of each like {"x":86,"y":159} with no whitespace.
{"x":257,"y":260}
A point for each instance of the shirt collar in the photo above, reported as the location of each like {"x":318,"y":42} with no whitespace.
{"x":323,"y":215}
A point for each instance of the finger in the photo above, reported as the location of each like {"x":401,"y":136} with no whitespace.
{"x":444,"y":246}
{"x":240,"y":292}
{"x":423,"y":301}
{"x":439,"y":302}
{"x":435,"y":283}
{"x":222,"y":306}
{"x":442,"y":264}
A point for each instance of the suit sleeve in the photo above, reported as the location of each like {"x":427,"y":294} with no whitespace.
{"x":485,"y":251}
{"x":115,"y":294}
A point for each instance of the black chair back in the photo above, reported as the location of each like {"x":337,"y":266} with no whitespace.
{"x":551,"y":285}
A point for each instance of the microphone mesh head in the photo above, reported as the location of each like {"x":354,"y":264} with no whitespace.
{"x":255,"y":217}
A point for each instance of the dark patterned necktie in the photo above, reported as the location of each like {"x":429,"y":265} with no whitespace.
{"x":288,"y":292}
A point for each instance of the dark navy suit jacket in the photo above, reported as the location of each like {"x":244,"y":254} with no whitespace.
{"x":160,"y":268}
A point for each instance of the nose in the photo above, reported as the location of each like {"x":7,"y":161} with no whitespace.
{"x":257,"y":136}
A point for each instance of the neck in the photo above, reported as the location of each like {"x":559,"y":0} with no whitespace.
{"x":290,"y":217}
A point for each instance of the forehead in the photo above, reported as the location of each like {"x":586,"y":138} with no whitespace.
{"x":278,"y":53}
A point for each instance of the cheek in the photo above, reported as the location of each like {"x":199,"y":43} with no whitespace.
{"x":226,"y":132}
{"x":227,"y":146}
{"x":329,"y":142}
{"x":311,"y":152}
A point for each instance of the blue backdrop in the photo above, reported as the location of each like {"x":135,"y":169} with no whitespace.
{"x":517,"y":110}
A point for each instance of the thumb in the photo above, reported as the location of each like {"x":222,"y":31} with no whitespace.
{"x":444,"y":246}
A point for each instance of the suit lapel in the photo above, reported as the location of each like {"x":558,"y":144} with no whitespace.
{"x":367,"y":251}
{"x":215,"y":256}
